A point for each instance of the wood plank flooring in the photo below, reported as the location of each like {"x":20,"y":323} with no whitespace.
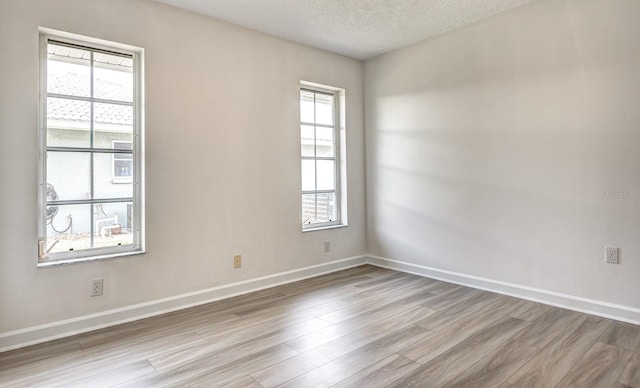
{"x":362,"y":327}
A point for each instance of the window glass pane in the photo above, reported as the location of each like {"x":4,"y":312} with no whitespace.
{"x":307,"y":140}
{"x":108,"y":185}
{"x":68,"y":70}
{"x":308,"y":175}
{"x":113,"y":224}
{"x":326,"y":174}
{"x":306,"y":107}
{"x":326,"y":205}
{"x":68,"y":123}
{"x":308,"y":208}
{"x":123,"y":163}
{"x":112,"y":77}
{"x":122,"y":166}
{"x":68,"y":228}
{"x":325,"y":141}
{"x":112,"y":118}
{"x":324,"y":109}
{"x":123,"y":145}
{"x":69,"y":175}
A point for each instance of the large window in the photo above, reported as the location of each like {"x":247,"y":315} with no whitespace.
{"x":320,"y":157}
{"x":91,"y":145}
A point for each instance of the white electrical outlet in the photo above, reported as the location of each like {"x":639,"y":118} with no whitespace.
{"x":612,"y":255}
{"x":96,"y":287}
{"x":327,"y":246}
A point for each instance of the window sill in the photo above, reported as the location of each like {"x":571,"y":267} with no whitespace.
{"x":121,"y":180}
{"x":44,"y":264}
{"x":324,"y":228}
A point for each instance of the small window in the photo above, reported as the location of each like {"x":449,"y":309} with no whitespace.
{"x":320,"y":157}
{"x":90,"y":149}
{"x":122,"y":162}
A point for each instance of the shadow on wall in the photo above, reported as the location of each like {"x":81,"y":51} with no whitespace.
{"x":490,"y":149}
{"x":492,"y":196}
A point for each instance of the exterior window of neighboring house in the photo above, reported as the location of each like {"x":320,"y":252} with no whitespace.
{"x":122,"y":163}
{"x":321,"y":156}
{"x":91,"y":175}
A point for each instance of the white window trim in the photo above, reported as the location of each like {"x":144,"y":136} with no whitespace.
{"x":92,"y":254}
{"x":340,"y":157}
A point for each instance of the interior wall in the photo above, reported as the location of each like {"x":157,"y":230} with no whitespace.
{"x":222,"y":158}
{"x":508,"y":149}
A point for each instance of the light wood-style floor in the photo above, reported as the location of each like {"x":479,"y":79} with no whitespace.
{"x":362,"y":327}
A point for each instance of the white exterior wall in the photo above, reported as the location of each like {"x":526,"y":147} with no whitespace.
{"x":71,"y":179}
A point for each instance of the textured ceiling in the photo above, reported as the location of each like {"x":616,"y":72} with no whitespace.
{"x":360,"y":29}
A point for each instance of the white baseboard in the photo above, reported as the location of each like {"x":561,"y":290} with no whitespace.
{"x":576,"y":303}
{"x":50,"y":331}
{"x":55,"y":330}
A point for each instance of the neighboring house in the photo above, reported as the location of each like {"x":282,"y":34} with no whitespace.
{"x":69,"y":125}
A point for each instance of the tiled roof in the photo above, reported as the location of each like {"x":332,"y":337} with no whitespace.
{"x":77,"y":84}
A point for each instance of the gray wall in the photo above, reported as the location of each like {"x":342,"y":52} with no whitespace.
{"x":490,"y":149}
{"x":222,"y":158}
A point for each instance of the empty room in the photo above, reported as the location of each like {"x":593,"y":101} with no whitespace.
{"x":320,"y":193}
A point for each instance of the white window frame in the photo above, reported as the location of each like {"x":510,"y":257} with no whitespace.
{"x":90,"y":254}
{"x":339,"y":157}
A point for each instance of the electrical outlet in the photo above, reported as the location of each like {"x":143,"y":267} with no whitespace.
{"x":612,"y":255}
{"x":237,"y":261}
{"x":96,"y":287}
{"x":327,"y":246}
